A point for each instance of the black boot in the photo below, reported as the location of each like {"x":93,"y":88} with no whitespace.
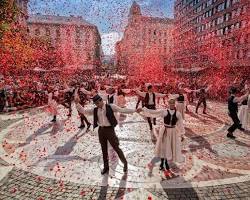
{"x":105,"y":170}
{"x":162,"y":164}
{"x":82,"y":126}
{"x":54,"y":119}
{"x":88,"y":126}
{"x":125,"y":168}
{"x":231,"y":136}
{"x":166,"y":164}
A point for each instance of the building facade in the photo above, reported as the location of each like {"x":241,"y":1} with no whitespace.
{"x":143,"y":36}
{"x":212,"y":33}
{"x":78,"y":41}
{"x":22,"y":5}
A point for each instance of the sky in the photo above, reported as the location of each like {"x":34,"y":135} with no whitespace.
{"x":110,"y":16}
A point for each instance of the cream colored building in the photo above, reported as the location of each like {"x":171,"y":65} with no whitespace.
{"x":143,"y":36}
{"x":78,"y":41}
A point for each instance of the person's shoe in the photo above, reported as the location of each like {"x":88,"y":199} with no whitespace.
{"x":125,"y":168}
{"x":82,"y":126}
{"x":88,"y":127}
{"x":204,"y":113}
{"x":161,"y":168}
{"x":54,"y":119}
{"x":167,"y":173}
{"x":231,"y":136}
{"x":242,"y":129}
{"x":105,"y":171}
{"x":150,"y":166}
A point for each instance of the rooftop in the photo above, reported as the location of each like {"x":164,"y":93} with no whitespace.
{"x":55,"y":19}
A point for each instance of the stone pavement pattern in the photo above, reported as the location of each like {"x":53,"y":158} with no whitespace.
{"x":41,"y":160}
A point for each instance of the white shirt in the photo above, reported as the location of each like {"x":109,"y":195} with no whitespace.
{"x":163,"y":113}
{"x":101,"y":113}
{"x":151,"y":97}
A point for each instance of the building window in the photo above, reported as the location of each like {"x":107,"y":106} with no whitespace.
{"x":244,"y":9}
{"x":47,"y":31}
{"x":227,"y":3}
{"x":241,"y":54}
{"x":58,"y":33}
{"x":237,"y":25}
{"x":220,"y":20}
{"x":242,"y":40}
{"x":243,"y":24}
{"x":78,"y":32}
{"x":37,"y":32}
{"x":235,"y":1}
{"x":209,"y":2}
{"x":227,"y":16}
{"x":68,"y":32}
{"x":220,"y":7}
{"x":219,"y":32}
{"x":248,"y":54}
{"x":198,"y":9}
{"x":214,"y":22}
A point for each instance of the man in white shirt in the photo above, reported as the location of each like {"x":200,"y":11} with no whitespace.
{"x":150,"y":102}
{"x":104,"y":118}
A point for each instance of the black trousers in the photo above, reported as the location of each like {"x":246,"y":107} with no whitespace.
{"x":204,"y":104}
{"x":83,"y":119}
{"x":67,"y":104}
{"x":138,"y":103}
{"x":149,"y":119}
{"x":2,"y":104}
{"x":236,"y":123}
{"x":107,"y":134}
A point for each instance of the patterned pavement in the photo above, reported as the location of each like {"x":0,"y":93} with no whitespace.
{"x":41,"y":160}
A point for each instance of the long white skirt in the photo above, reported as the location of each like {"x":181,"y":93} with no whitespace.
{"x":52,"y":107}
{"x":181,"y":108}
{"x":244,"y":116}
{"x":169,"y":145}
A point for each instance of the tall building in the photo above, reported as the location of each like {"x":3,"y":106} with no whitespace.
{"x":212,"y":33}
{"x":22,"y":5}
{"x":143,"y":36}
{"x":78,"y":41}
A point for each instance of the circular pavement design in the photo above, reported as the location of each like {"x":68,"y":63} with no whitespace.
{"x":62,"y":152}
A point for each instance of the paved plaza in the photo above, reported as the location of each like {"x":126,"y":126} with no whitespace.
{"x":41,"y":160}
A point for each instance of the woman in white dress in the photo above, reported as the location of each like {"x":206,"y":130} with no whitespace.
{"x":52,"y":103}
{"x":244,"y":111}
{"x":168,"y":146}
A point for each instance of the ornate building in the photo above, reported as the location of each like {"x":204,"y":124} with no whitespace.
{"x":143,"y":36}
{"x":23,"y":7}
{"x":212,"y":33}
{"x":77,"y":40}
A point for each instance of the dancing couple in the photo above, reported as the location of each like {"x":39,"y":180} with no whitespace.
{"x":169,"y":141}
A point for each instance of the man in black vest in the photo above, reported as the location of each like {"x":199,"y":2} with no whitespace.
{"x":149,"y":102}
{"x":104,"y":118}
{"x":82,"y":101}
{"x":233,"y":111}
{"x":68,"y":98}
